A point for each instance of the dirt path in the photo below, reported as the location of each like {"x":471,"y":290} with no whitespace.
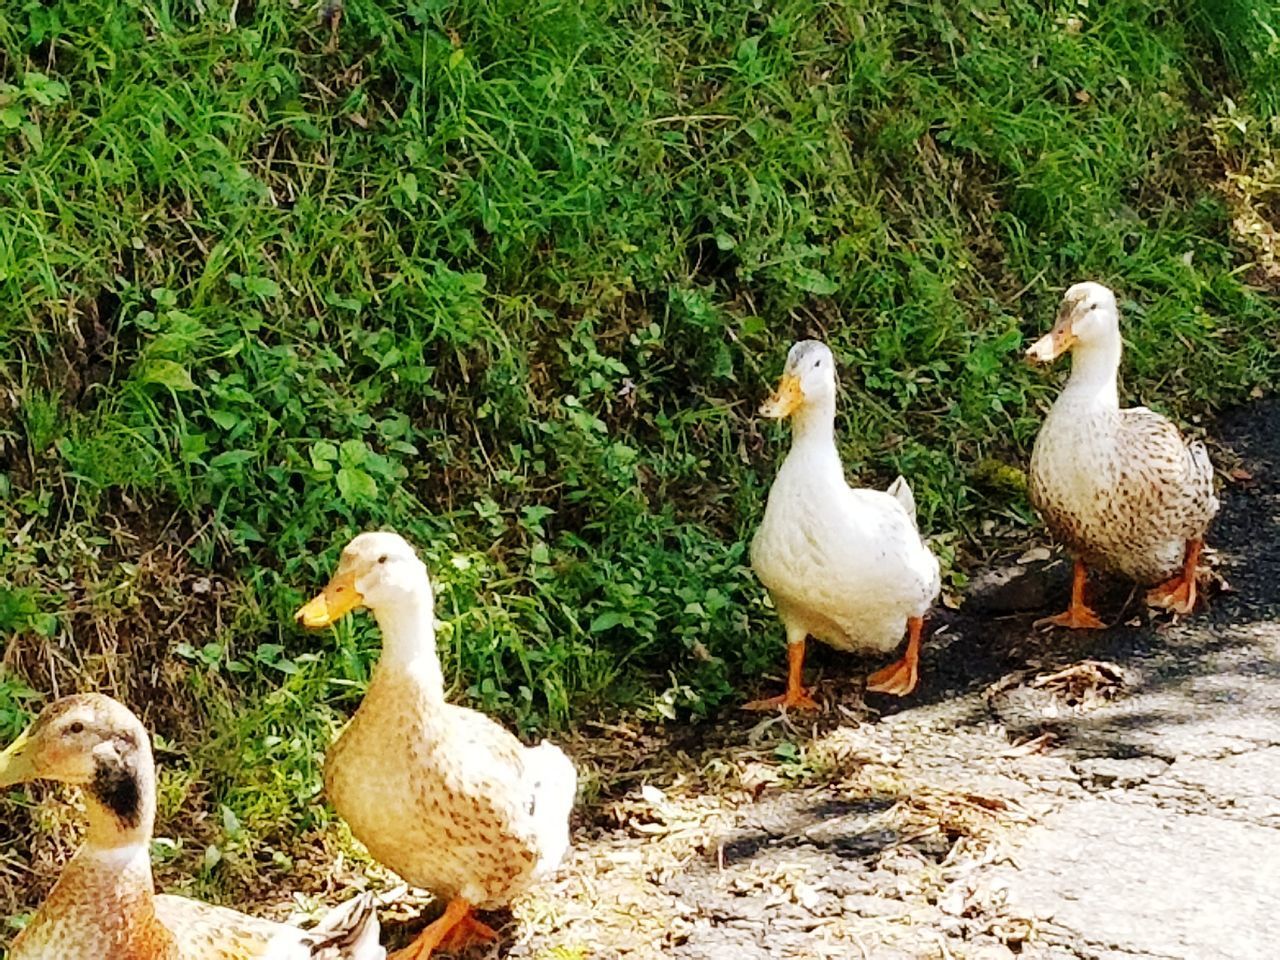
{"x":1043,"y":796}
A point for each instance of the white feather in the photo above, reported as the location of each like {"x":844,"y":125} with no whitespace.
{"x":552,"y":783}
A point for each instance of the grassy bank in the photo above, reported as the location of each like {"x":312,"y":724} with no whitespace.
{"x":511,"y":278}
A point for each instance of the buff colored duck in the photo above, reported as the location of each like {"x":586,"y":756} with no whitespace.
{"x":439,"y":793}
{"x":104,"y":905}
{"x":844,"y":565}
{"x":1121,"y":488}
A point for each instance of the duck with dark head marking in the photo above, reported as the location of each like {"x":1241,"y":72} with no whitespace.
{"x":104,"y":905}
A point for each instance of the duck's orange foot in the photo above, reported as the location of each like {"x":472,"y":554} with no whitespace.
{"x":900,"y":678}
{"x":420,"y":949}
{"x":897,"y":679}
{"x":1075,"y":618}
{"x":797,"y":699}
{"x":467,"y":933}
{"x":1177,"y":595}
{"x":1078,"y":615}
{"x":454,"y":930}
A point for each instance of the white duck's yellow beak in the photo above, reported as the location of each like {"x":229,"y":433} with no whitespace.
{"x":785,"y":400}
{"x":1057,"y":341}
{"x":15,"y":765}
{"x":333,"y":603}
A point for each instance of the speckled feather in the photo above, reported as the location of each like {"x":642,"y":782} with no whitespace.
{"x":98,"y":910}
{"x":446,"y":797}
{"x":1122,"y":489}
{"x":208,"y":932}
{"x":435,"y":792}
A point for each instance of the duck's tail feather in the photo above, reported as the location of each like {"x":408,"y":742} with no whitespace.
{"x":553,"y":786}
{"x":900,"y":490}
{"x":348,"y":932}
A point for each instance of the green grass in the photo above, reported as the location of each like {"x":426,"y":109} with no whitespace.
{"x":511,"y":277}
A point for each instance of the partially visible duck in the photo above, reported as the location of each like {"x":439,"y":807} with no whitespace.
{"x":104,"y":905}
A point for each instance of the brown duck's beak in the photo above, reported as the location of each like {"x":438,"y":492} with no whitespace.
{"x":785,"y":400}
{"x":15,"y":765}
{"x":1057,"y":341}
{"x":338,"y":599}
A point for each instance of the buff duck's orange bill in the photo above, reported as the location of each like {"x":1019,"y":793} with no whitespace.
{"x":333,"y":603}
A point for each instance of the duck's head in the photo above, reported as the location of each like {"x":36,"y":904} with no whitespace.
{"x":1086,"y":318}
{"x":90,"y":741}
{"x":808,"y":378}
{"x":376,"y":570}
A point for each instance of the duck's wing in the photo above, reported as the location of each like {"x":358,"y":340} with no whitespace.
{"x":532,"y":789}
{"x":883,"y":548}
{"x":208,"y":932}
{"x":487,"y":779}
{"x":1166,"y":478}
{"x":881,"y":518}
{"x":348,"y":932}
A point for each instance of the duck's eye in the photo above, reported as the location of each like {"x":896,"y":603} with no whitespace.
{"x":383,"y":558}
{"x":1093,"y":306}
{"x":817,"y":364}
{"x":76,"y":728}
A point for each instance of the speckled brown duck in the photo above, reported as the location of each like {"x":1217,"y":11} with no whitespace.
{"x":439,"y":793}
{"x":1121,"y":488}
{"x":104,"y":905}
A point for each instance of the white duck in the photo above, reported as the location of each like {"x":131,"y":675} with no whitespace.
{"x":1121,"y":488}
{"x":844,"y":565}
{"x":439,"y":793}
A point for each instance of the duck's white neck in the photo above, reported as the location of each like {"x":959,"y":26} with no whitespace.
{"x":104,"y":900}
{"x":136,"y":857}
{"x":813,"y":429}
{"x":1092,"y":384}
{"x":409,"y":641}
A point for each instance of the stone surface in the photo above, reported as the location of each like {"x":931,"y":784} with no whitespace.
{"x":1137,"y":880}
{"x":1019,"y":587}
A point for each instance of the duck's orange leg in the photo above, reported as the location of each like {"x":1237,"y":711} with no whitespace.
{"x":468,"y":932}
{"x":900,"y":678}
{"x":796,"y":697}
{"x":1078,"y":616}
{"x":455,"y":929}
{"x":1179,"y":593}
